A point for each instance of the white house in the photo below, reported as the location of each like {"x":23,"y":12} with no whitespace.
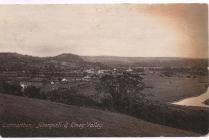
{"x":64,"y":80}
{"x":129,"y":70}
{"x":90,"y":71}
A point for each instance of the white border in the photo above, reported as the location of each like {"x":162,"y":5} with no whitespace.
{"x":106,"y":2}
{"x":96,"y":1}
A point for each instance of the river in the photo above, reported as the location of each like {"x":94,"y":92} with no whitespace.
{"x":195,"y":101}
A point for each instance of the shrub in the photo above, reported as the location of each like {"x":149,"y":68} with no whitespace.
{"x":12,"y":89}
{"x":33,"y":92}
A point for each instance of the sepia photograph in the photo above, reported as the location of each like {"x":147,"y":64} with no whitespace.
{"x":104,"y":70}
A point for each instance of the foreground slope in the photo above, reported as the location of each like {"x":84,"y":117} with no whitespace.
{"x":24,"y":117}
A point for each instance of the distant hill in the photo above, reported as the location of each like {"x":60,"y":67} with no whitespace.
{"x":67,"y":61}
{"x":18,"y":62}
{"x":15,"y":57}
{"x":148,"y":61}
{"x":19,"y":57}
{"x":22,"y":110}
{"x":67,"y":57}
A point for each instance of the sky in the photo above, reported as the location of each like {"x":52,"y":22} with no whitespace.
{"x":132,"y":30}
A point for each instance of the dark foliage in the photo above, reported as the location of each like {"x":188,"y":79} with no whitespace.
{"x":122,"y":90}
{"x":33,"y":92}
{"x":8,"y":88}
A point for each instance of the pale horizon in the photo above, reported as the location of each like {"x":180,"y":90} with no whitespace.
{"x":105,"y":56}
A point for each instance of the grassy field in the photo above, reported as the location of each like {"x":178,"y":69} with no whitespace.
{"x":24,"y":117}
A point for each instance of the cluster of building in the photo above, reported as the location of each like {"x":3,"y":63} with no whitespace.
{"x":73,"y":78}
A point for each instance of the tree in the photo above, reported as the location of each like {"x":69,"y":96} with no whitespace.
{"x":33,"y":92}
{"x":122,"y":89}
{"x":12,"y":89}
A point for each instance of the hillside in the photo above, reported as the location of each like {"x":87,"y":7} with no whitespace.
{"x":68,"y":58}
{"x":19,"y":110}
{"x":28,"y":58}
{"x":19,"y":62}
